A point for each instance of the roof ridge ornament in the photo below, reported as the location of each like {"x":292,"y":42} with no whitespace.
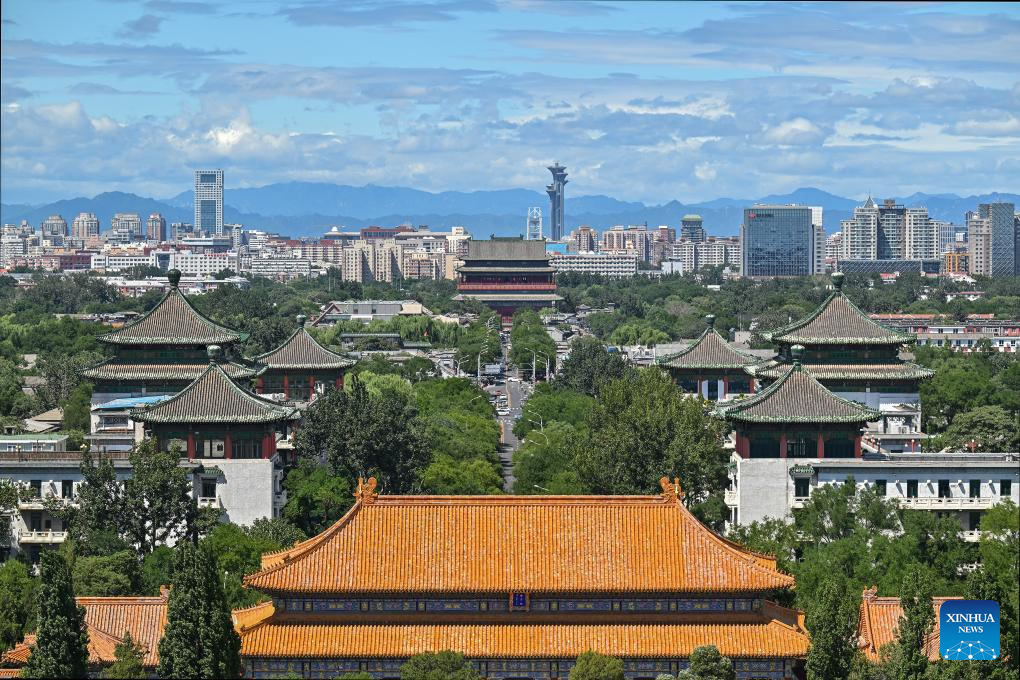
{"x":671,"y":491}
{"x":710,"y":320}
{"x":301,"y":319}
{"x":174,"y":277}
{"x":838,"y":279}
{"x":366,"y":492}
{"x":214,"y":353}
{"x":797,"y":354}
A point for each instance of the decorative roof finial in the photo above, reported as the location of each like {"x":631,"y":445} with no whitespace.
{"x":301,"y":319}
{"x":671,"y":490}
{"x":837,"y":280}
{"x":174,"y":276}
{"x":870,"y":593}
{"x":797,"y":353}
{"x":214,"y":353}
{"x":366,"y":490}
{"x":710,"y":320}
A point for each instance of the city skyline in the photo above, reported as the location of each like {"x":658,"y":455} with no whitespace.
{"x":647,"y":102}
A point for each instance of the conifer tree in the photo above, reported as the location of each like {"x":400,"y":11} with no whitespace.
{"x":707,"y":663}
{"x":833,"y":625}
{"x":199,"y":640}
{"x":910,"y":661}
{"x":62,"y":641}
{"x":129,"y":665}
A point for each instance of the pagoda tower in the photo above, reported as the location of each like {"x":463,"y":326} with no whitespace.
{"x":507,"y":274}
{"x":163,"y":351}
{"x":797,"y":417}
{"x":710,"y":367}
{"x":300,"y":366}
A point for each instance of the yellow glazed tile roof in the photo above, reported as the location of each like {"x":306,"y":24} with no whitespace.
{"x":500,"y":544}
{"x":879,"y":618}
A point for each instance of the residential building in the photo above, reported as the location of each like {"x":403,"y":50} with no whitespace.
{"x":543,"y":579}
{"x":713,"y":252}
{"x":280,"y":268}
{"x":890,"y":232}
{"x":634,"y":240}
{"x":962,"y":485}
{"x":300,"y":368}
{"x":85,"y":226}
{"x":779,"y":240}
{"x":584,"y":239}
{"x":155,"y":228}
{"x":901,"y":266}
{"x":128,"y":224}
{"x":54,"y":226}
{"x":692,"y":228}
{"x":111,"y":427}
{"x":833,"y":251}
{"x":613,"y":265}
{"x":710,"y":367}
{"x":209,"y":202}
{"x":507,"y":274}
{"x":959,"y":336}
{"x":367,"y":311}
{"x":556,"y":192}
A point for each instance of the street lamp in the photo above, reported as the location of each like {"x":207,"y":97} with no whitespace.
{"x":534,"y":368}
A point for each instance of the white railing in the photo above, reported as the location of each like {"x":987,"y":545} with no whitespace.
{"x":961,"y":503}
{"x":37,"y":503}
{"x":210,"y":502}
{"x":42,"y":536}
{"x":799,"y":501}
{"x":971,"y":536}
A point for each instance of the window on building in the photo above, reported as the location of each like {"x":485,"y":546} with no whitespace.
{"x":35,"y":486}
{"x":208,"y":487}
{"x":911,"y":488}
{"x":801,"y":487}
{"x":880,"y":488}
{"x":944,"y":490}
{"x":974,"y":520}
{"x":1005,"y":487}
{"x":800,"y":448}
{"x":839,"y":448}
{"x":764,"y":448}
{"x":975,"y":488}
{"x":247,"y":448}
{"x":213,"y":448}
{"x":67,"y":489}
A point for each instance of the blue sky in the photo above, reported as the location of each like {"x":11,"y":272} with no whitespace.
{"x":641,"y":101}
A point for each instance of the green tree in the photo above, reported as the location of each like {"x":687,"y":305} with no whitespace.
{"x":589,"y":365}
{"x":470,"y":477}
{"x":987,"y":428}
{"x":595,"y":666}
{"x":157,"y":506}
{"x":642,"y":429}
{"x":708,"y":664}
{"x":77,"y":408}
{"x":356,"y":676}
{"x":361,"y":434}
{"x":316,"y":498}
{"x":62,"y":640}
{"x":909,"y":659}
{"x":62,"y":375}
{"x":107,"y":576}
{"x":445,"y":665}
{"x":18,"y":590}
{"x":276,"y":530}
{"x":129,"y":661}
{"x":199,"y":640}
{"x":157,"y":570}
{"x":833,"y":625}
{"x":551,"y":402}
{"x":544,"y":461}
{"x":836,"y":511}
{"x":531,"y":345}
{"x":239,"y":552}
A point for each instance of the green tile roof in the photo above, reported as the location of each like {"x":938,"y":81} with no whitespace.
{"x":709,"y":351}
{"x":302,"y":351}
{"x":891,"y":371}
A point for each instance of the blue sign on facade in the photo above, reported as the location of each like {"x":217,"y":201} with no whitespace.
{"x":969,"y":630}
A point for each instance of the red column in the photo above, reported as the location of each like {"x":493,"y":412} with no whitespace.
{"x":752,"y":385}
{"x":857,"y":447}
{"x":228,"y":446}
{"x":821,"y":446}
{"x":782,"y":445}
{"x":340,"y":382}
{"x":260,"y":385}
{"x":268,"y":445}
{"x":311,"y":386}
{"x":191,"y":446}
{"x":743,"y":446}
{"x":725,"y":387}
{"x":286,"y":386}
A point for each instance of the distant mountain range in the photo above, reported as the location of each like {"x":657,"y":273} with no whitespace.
{"x":308,"y":208}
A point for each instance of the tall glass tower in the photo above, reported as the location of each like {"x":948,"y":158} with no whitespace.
{"x":555,"y":191}
{"x":778,"y":240}
{"x":209,"y":201}
{"x":1003,"y":241}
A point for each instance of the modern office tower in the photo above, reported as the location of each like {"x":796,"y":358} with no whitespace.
{"x":949,"y":236}
{"x":779,"y":240}
{"x":692,"y":228}
{"x":1001,"y":221}
{"x":54,"y":225}
{"x":129,"y":223}
{"x":209,"y":202}
{"x":155,"y":228}
{"x":556,"y":194}
{"x":85,"y":225}
{"x":584,"y":239}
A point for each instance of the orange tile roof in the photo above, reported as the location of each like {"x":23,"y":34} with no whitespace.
{"x":107,"y":619}
{"x":767,"y":639}
{"x":577,"y":544}
{"x":879,"y":618}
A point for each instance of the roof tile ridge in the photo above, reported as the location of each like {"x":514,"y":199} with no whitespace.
{"x":120,"y":599}
{"x":203,"y":317}
{"x":847,"y":402}
{"x":755,"y":399}
{"x":141,"y":318}
{"x":686,"y":350}
{"x":280,"y":347}
{"x":795,"y":325}
{"x":892,"y":331}
{"x":518,"y":499}
{"x":304,"y":548}
{"x":729,"y":546}
{"x":180,"y":394}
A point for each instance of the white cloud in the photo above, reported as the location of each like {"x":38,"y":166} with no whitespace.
{"x":797,"y":131}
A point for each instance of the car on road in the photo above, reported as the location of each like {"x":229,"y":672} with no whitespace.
{"x":503,"y":411}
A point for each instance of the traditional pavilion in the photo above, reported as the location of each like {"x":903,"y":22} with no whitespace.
{"x":299,"y":366}
{"x":710,"y":367}
{"x":851,"y":354}
{"x":163,"y":350}
{"x":879,"y":619}
{"x":214,"y":417}
{"x":507,"y":274}
{"x":521,"y":585}
{"x":108,"y":619}
{"x":797,"y":417}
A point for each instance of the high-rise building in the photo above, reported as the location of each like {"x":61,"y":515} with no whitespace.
{"x":634,"y":240}
{"x":155,"y":228}
{"x":889,"y":232}
{"x":712,"y":252}
{"x":129,"y":224}
{"x":556,"y":194}
{"x":692,"y":228}
{"x":54,"y":225}
{"x":209,"y":201}
{"x":779,"y":240}
{"x":584,"y":239}
{"x":85,"y":225}
{"x":1001,"y":221}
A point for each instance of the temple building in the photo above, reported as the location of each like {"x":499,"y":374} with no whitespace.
{"x":710,"y":367}
{"x":521,"y":585}
{"x":107,"y":620}
{"x":507,"y":274}
{"x":797,"y":417}
{"x":163,"y":351}
{"x":879,"y":618}
{"x":300,"y":368}
{"x":859,"y":359}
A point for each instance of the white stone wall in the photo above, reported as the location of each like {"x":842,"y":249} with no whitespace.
{"x":246,"y":490}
